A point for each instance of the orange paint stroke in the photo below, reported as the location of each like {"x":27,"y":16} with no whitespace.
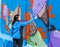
{"x":27,"y":28}
{"x":31,"y":2}
{"x":2,"y":10}
{"x":42,"y":33}
{"x":6,"y":27}
{"x":49,"y":12}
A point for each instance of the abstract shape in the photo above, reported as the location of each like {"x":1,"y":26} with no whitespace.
{"x":5,"y":37}
{"x":43,"y":15}
{"x":10,"y":25}
{"x":27,"y":28}
{"x":45,"y":19}
{"x":40,"y":9}
{"x":49,"y":12}
{"x":4,"y":11}
{"x":36,"y":40}
{"x":5,"y":15}
{"x":31,"y":2}
{"x":55,"y":39}
{"x":8,"y":11}
{"x":16,"y":11}
{"x":32,"y":29}
{"x":7,"y":28}
{"x":37,"y":6}
{"x":42,"y":33}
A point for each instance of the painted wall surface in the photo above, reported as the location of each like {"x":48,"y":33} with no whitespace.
{"x":26,"y":9}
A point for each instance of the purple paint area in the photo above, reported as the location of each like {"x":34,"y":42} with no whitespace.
{"x":5,"y":11}
{"x":55,"y":39}
{"x":37,"y":6}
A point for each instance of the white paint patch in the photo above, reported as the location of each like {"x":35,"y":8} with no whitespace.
{"x":5,"y":37}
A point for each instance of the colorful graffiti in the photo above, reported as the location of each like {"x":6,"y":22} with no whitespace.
{"x":44,"y":31}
